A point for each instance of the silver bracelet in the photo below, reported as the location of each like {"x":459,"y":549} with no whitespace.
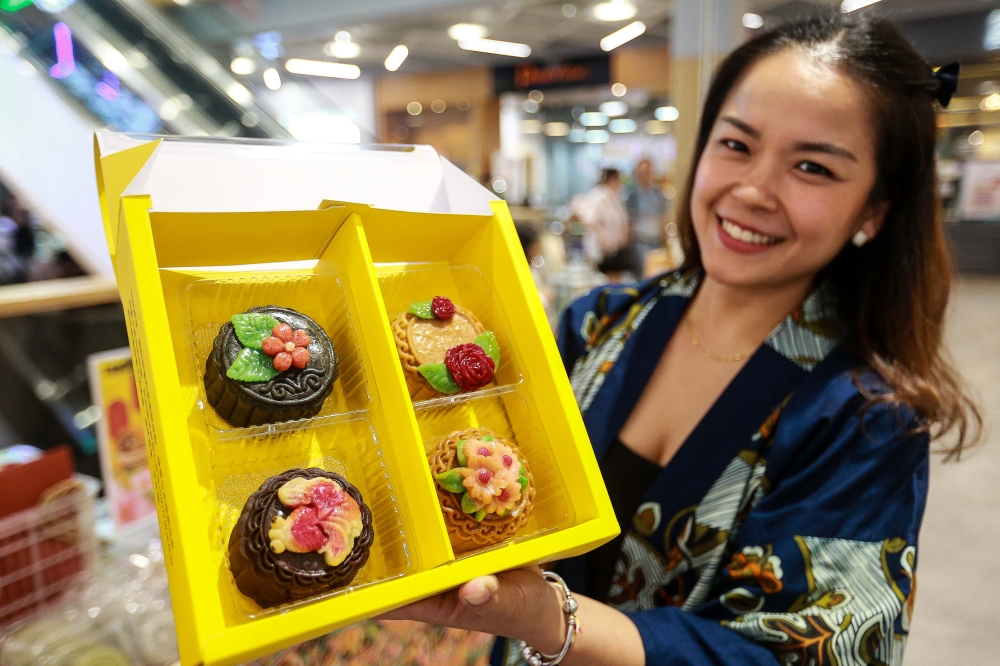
{"x":570,"y":606}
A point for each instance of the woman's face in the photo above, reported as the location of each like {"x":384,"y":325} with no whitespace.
{"x":784,"y":180}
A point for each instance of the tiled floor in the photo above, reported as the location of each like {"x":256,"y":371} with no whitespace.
{"x":956,"y":620}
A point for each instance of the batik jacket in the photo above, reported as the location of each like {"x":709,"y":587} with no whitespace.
{"x":784,"y":530}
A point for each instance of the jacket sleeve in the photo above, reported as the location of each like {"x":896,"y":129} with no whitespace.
{"x":821,"y":568}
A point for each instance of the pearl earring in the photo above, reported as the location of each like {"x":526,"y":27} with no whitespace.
{"x":859,"y":238}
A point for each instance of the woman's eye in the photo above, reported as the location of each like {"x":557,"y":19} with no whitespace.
{"x":733,"y":144}
{"x":813,"y":168}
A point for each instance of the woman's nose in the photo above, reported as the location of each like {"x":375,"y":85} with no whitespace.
{"x":754,"y":195}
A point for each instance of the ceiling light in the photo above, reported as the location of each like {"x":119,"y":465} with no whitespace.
{"x":556,"y":129}
{"x":272,"y":79}
{"x":752,"y":21}
{"x":341,"y":49}
{"x":462,"y":104}
{"x":593,"y":119}
{"x":615,"y":108}
{"x":342,"y":36}
{"x":597,"y":136}
{"x":414,"y":108}
{"x":656,"y":127}
{"x":569,"y":10}
{"x":438,"y":106}
{"x":536,"y":96}
{"x":239,"y":94}
{"x":465,"y":31}
{"x":530,"y":106}
{"x":991,"y":103}
{"x":334,"y":70}
{"x":619,"y":90}
{"x":531,"y":126}
{"x":626,"y":34}
{"x":182,"y":3}
{"x":977,"y":138}
{"x":851,"y":5}
{"x":496,"y":47}
{"x":666,"y":113}
{"x":613,"y":11}
{"x":622,"y":125}
{"x":243,"y":66}
{"x":396,"y":58}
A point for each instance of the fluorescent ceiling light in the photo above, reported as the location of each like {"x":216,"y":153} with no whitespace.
{"x":556,"y":129}
{"x":656,"y":127}
{"x":612,"y":109}
{"x":578,"y":135}
{"x":851,"y":5}
{"x":342,"y":49}
{"x":622,"y":125}
{"x":272,"y":79}
{"x":597,"y":136}
{"x":613,"y":11}
{"x":593,"y":119}
{"x":666,"y":113}
{"x":626,"y":34}
{"x":464,"y":31}
{"x":243,"y":66}
{"x":113,"y":59}
{"x":752,"y":21}
{"x":531,"y":126}
{"x":496,"y":47}
{"x":396,"y":58}
{"x":333,"y":70}
{"x":239,"y":94}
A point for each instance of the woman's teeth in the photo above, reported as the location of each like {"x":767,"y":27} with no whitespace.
{"x":739,"y":233}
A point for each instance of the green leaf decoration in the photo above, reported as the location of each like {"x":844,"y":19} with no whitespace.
{"x":501,"y":513}
{"x":460,"y":449}
{"x":451,"y":481}
{"x":479,"y":515}
{"x":523,"y":480}
{"x":488,"y":342}
{"x":252,"y":365}
{"x":421,"y":309}
{"x":468,"y":505}
{"x":487,"y":438}
{"x":438,"y":376}
{"x":252,"y":328}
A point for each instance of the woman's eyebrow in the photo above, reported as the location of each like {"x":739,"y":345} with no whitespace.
{"x":742,"y":126}
{"x":828,"y":148}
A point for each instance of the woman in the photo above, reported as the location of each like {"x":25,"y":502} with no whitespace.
{"x":605,"y":219}
{"x":762,"y":418}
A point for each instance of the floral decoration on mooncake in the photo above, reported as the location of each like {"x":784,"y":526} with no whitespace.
{"x":484,"y":486}
{"x":444,"y":349}
{"x":303,"y":533}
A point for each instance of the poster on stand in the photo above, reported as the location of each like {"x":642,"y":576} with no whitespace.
{"x":979,"y":200}
{"x":121,"y":439}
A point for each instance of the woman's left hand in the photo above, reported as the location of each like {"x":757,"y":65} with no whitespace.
{"x":517,"y":604}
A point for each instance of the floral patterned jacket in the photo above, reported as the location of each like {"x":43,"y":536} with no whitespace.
{"x":784,"y":530}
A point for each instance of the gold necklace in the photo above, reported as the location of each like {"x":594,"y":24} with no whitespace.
{"x":732,"y":358}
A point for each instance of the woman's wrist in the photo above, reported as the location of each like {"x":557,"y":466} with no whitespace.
{"x":546,"y":624}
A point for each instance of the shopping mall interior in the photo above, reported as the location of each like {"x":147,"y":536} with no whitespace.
{"x":579,"y":117}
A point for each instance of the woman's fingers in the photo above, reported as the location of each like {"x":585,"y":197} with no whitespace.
{"x":480,"y":590}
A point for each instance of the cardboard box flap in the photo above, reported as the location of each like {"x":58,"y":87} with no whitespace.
{"x":244,"y":175}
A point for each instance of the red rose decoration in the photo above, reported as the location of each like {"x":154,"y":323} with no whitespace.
{"x":470,"y":366}
{"x":442,"y":307}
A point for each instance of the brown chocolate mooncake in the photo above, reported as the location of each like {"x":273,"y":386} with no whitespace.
{"x":269,"y":364}
{"x":303,"y":533}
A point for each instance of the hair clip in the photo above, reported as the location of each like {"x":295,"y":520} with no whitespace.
{"x":947,"y":77}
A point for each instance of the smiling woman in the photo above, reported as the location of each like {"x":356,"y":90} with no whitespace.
{"x":762,"y":418}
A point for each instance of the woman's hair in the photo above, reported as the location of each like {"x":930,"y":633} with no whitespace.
{"x":608,"y":174}
{"x":894,"y":289}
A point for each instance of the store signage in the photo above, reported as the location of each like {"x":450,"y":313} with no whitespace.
{"x":542,"y":76}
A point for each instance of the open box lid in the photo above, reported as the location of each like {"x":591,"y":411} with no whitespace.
{"x":203,"y":174}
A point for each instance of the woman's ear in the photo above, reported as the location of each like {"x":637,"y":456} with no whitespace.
{"x":873,"y":219}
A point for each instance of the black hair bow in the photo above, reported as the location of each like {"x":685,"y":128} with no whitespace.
{"x":947,"y":77}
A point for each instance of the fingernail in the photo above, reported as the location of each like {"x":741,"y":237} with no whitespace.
{"x":482,"y":592}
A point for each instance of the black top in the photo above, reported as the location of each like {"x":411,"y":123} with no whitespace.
{"x":627,"y":476}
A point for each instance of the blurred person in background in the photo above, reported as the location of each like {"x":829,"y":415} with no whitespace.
{"x":17,"y":241}
{"x":762,"y":417}
{"x":647,"y":210}
{"x":605,"y":219}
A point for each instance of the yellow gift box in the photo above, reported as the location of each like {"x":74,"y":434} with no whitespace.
{"x":201,"y":229}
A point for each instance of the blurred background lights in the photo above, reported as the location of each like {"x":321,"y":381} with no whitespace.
{"x":462,"y":104}
{"x":850,"y":5}
{"x":752,"y":21}
{"x":499,"y":185}
{"x":977,"y":138}
{"x":272,"y":79}
{"x":615,"y":108}
{"x":556,"y":129}
{"x":463,"y":31}
{"x":496,"y":47}
{"x":569,"y":10}
{"x":622,"y":125}
{"x":626,"y":34}
{"x":335,"y":70}
{"x":239,"y":94}
{"x":531,"y":126}
{"x":656,"y":127}
{"x":597,"y":136}
{"x":396,"y":58}
{"x":530,"y":106}
{"x":619,"y":10}
{"x":414,"y":108}
{"x":990,"y":103}
{"x":268,"y":45}
{"x":243,"y":66}
{"x":593,"y":119}
{"x":340,"y":48}
{"x":438,"y":106}
{"x":577,"y":135}
{"x":667,"y":113}
{"x":536,"y":96}
{"x":619,"y":90}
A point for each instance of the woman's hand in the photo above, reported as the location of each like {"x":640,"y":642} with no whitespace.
{"x":517,"y":604}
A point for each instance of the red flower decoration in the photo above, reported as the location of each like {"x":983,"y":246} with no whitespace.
{"x":470,"y":366}
{"x":288,"y":347}
{"x":442,"y":307}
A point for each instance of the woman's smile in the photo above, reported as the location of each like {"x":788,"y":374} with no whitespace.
{"x":742,"y":238}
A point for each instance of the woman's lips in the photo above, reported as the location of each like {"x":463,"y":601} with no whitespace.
{"x":741,"y":239}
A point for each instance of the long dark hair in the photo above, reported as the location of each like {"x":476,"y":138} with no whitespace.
{"x":893,"y":290}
